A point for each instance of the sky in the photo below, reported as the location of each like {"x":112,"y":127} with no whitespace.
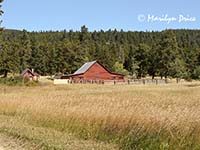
{"x":129,"y":15}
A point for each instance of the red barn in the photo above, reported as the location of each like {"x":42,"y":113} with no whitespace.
{"x":94,"y":71}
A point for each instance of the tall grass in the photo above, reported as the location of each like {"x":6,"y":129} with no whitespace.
{"x":133,"y":117}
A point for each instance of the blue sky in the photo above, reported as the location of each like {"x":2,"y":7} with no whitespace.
{"x":40,"y":15}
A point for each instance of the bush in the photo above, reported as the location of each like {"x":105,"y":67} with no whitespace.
{"x":17,"y":81}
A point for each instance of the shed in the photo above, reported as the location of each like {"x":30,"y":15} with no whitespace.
{"x":27,"y":73}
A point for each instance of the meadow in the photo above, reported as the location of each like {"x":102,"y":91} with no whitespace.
{"x":102,"y":117}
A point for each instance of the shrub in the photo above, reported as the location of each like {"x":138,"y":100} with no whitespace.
{"x":17,"y":81}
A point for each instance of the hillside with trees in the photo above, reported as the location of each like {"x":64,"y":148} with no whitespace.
{"x":169,"y":53}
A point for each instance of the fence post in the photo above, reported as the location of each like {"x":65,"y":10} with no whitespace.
{"x":144,"y":81}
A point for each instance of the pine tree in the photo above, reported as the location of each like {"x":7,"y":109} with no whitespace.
{"x":141,"y":57}
{"x":9,"y":58}
{"x":168,"y":52}
{"x":154,"y":59}
{"x":178,"y":69}
{"x":25,"y":51}
{"x":130,"y":63}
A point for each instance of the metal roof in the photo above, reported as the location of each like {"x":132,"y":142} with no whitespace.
{"x":84,"y":68}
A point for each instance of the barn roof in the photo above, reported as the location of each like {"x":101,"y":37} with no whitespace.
{"x":84,"y":68}
{"x":87,"y":66}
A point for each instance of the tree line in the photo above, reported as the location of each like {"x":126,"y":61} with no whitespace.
{"x":168,"y":53}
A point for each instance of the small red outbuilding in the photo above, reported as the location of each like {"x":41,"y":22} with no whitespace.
{"x":94,"y":71}
{"x":27,"y":73}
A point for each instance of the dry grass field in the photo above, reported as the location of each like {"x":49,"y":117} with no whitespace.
{"x":103,"y":116}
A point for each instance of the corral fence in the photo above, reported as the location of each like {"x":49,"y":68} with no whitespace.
{"x":128,"y":82}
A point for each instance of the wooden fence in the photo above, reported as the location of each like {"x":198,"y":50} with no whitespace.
{"x":125,"y":82}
